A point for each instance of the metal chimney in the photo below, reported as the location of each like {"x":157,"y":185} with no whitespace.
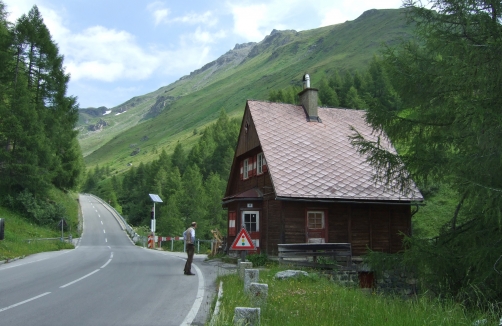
{"x":308,"y":99}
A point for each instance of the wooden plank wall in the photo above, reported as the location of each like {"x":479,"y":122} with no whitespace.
{"x":375,"y":226}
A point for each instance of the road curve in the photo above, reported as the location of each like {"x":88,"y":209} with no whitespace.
{"x":106,"y":280}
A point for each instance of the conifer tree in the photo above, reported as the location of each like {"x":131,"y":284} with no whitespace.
{"x":37,"y":117}
{"x":449,"y":126}
{"x":353,"y":101}
{"x":327,"y":94}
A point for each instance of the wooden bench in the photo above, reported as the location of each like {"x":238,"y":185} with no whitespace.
{"x":307,"y":254}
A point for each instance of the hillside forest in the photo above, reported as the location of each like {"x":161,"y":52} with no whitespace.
{"x":437,"y":96}
{"x":39,"y":146}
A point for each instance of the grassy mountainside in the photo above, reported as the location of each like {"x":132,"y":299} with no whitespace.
{"x":160,"y":119}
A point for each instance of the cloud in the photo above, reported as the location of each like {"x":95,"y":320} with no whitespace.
{"x":253,"y":20}
{"x":108,"y":55}
{"x":207,"y":18}
{"x":161,"y":14}
{"x":200,"y":36}
{"x":158,"y":11}
{"x":336,"y":12}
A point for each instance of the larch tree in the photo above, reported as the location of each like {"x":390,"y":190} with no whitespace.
{"x":449,"y":129}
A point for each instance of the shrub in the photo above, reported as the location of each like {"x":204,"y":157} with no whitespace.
{"x":258,"y":259}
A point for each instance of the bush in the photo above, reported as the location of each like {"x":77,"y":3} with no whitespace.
{"x":42,"y":212}
{"x":258,"y":259}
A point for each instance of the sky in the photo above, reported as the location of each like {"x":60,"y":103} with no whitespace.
{"x":117,"y":49}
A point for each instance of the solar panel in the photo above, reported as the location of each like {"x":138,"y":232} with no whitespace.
{"x":156,"y":198}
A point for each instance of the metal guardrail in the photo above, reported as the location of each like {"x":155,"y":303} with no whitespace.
{"x":69,"y":239}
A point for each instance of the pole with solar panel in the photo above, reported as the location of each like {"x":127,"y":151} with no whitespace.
{"x":156,"y":199}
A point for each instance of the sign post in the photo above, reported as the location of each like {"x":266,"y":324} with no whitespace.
{"x":62,"y":223}
{"x":243,"y":242}
{"x":156,"y":199}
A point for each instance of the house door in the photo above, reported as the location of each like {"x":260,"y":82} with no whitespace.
{"x":251,"y":220}
{"x":316,"y":228}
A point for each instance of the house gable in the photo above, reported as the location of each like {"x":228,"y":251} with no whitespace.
{"x":248,"y":138}
{"x":247,"y":150}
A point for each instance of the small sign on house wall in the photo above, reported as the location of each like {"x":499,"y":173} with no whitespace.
{"x":250,"y":205}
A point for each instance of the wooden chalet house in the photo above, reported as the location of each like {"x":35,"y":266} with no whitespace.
{"x":296,"y":178}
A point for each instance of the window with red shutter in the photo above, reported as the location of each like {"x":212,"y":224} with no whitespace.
{"x":231,"y":223}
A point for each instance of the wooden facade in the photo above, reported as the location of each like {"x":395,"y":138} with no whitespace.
{"x":378,"y":227}
{"x":251,"y":201}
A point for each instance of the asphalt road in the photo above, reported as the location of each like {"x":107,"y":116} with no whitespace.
{"x":106,"y":280}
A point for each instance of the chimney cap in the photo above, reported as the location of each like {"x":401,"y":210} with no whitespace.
{"x":306,"y":81}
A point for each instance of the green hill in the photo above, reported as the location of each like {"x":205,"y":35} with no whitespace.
{"x":137,"y":130}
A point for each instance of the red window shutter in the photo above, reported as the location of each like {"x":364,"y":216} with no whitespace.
{"x":265,"y":167}
{"x":231,"y":223}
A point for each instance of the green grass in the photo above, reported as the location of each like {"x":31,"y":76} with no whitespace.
{"x":18,"y":230}
{"x":315,"y":300}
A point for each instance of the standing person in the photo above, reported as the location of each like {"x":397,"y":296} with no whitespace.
{"x":189,"y":236}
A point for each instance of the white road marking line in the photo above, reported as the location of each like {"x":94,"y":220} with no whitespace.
{"x":109,"y":260}
{"x":104,"y":231}
{"x":101,"y":222}
{"x":25,"y":301}
{"x":106,"y":240}
{"x":68,"y":284}
{"x":198,"y":299}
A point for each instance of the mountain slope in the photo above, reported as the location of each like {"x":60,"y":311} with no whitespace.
{"x":159,"y":119}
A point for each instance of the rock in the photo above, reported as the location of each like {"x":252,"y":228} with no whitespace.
{"x":246,"y":316}
{"x":250,"y":276}
{"x":290,"y":274}
{"x":258,"y":293}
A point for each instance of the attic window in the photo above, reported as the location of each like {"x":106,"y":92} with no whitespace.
{"x":246,"y":127}
{"x":246,"y":168}
{"x":260,"y":161}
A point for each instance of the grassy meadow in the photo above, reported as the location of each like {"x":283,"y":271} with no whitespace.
{"x":316,"y":300}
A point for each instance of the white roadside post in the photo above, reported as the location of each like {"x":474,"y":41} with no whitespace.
{"x":156,"y":199}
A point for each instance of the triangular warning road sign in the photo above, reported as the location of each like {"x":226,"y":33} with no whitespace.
{"x":243,"y":241}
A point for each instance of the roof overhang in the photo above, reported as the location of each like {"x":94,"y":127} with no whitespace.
{"x":254,"y":194}
{"x":351,"y":201}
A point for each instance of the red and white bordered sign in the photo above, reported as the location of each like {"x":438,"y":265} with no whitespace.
{"x":243,"y":241}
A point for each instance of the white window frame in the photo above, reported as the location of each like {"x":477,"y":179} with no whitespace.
{"x":259,"y":163}
{"x":257,"y":213}
{"x":245,"y":167}
{"x":322,"y":220}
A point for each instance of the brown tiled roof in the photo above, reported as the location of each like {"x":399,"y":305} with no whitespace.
{"x":316,"y":160}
